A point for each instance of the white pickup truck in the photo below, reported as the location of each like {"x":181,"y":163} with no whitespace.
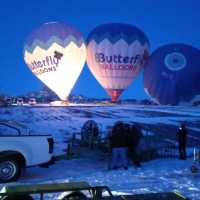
{"x":19,"y":148}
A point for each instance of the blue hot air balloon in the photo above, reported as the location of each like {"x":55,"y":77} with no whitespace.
{"x":116,"y":53}
{"x":171,"y":76}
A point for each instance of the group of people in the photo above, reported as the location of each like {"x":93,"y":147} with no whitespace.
{"x":124,"y":139}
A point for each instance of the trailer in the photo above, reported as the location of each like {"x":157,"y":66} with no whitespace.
{"x":77,"y":191}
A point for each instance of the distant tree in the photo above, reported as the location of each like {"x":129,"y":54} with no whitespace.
{"x":3,"y":100}
{"x":147,"y":102}
{"x":196,"y":103}
{"x":44,"y":95}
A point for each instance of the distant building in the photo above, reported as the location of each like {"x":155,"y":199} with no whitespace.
{"x":20,"y":101}
{"x":2,"y":102}
{"x":32,"y":101}
{"x":9,"y":100}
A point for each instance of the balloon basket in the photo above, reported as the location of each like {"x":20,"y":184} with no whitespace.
{"x":65,"y":103}
{"x":59,"y":103}
{"x":113,"y":102}
{"x":106,"y":103}
{"x":194,"y":168}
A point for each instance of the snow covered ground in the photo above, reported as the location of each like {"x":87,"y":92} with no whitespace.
{"x":157,"y":175}
{"x":153,"y":176}
{"x":63,"y":122}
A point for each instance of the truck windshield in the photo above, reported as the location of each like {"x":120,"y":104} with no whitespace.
{"x":8,"y":127}
{"x":6,"y":130}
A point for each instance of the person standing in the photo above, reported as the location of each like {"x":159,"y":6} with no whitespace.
{"x":134,"y":137}
{"x":182,"y":140}
{"x":118,"y":144}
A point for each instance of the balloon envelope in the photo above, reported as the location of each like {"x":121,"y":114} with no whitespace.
{"x":56,"y":54}
{"x":116,"y":54}
{"x":172,"y":74}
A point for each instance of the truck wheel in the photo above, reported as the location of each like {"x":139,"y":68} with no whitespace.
{"x":75,"y":196}
{"x":9,"y":170}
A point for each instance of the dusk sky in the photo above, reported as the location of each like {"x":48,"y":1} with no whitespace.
{"x":162,"y":21}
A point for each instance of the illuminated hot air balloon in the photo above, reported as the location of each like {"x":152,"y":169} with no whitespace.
{"x":116,"y":54}
{"x":172,"y":74}
{"x":56,"y":54}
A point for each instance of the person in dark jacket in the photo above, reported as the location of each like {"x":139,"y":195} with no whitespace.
{"x":118,"y":144}
{"x":134,"y":137}
{"x":182,"y":140}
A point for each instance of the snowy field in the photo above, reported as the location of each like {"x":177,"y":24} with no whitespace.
{"x":154,"y":176}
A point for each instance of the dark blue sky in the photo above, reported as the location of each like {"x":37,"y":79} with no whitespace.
{"x":162,"y":21}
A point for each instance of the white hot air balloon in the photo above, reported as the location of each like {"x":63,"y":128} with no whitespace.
{"x":116,"y":54}
{"x":56,"y":54}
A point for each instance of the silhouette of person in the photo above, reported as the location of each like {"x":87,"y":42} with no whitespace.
{"x":134,"y":137}
{"x":118,"y":144}
{"x":182,"y":140}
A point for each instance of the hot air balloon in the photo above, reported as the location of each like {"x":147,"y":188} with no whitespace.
{"x":116,"y":54}
{"x":172,"y":74}
{"x":56,"y":54}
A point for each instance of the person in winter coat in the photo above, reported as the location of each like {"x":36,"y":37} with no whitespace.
{"x":134,"y":137}
{"x":182,"y":140}
{"x":118,"y":144}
